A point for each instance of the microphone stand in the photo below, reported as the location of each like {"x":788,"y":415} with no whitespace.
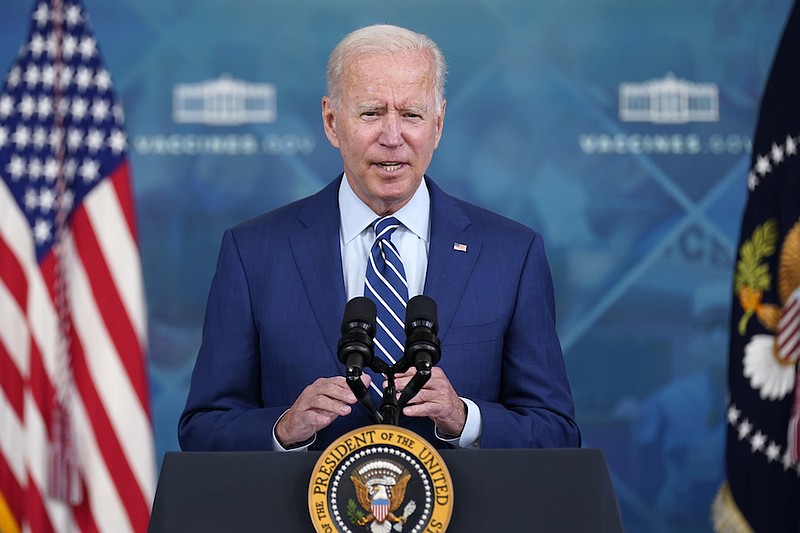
{"x":390,"y":409}
{"x":391,"y":405}
{"x":353,"y":379}
{"x":416,"y":383}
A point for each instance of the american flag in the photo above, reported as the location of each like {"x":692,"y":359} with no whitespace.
{"x":76,"y":443}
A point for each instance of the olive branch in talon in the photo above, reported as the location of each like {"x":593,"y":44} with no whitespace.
{"x":752,"y":273}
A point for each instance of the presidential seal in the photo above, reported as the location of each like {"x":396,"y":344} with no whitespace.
{"x":380,"y":479}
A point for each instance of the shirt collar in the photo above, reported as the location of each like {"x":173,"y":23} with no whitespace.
{"x":355,"y":215}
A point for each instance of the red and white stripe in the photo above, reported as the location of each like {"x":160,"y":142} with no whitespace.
{"x":789,"y":331}
{"x":109,"y":410}
{"x":380,"y":510}
{"x":788,"y":342}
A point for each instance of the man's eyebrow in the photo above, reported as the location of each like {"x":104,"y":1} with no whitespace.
{"x":370,"y":106}
{"x":419,"y":109}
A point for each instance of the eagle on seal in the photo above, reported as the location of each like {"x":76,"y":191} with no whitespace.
{"x":381,"y":496}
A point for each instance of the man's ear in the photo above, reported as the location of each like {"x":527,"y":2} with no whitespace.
{"x":329,"y":121}
{"x":440,"y":124}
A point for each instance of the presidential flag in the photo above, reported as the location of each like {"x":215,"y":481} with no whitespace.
{"x":762,"y":490}
{"x":76,"y":443}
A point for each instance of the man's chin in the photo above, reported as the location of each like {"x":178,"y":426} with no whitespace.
{"x":389,"y":202}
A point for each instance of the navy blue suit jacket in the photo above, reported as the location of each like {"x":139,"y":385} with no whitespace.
{"x":274,"y":314}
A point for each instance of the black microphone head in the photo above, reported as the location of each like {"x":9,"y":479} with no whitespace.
{"x":360,"y":310}
{"x":421,"y":310}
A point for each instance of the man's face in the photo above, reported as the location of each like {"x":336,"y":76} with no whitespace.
{"x":386,"y":127}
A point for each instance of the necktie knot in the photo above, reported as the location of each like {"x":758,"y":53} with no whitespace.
{"x":385,"y":226}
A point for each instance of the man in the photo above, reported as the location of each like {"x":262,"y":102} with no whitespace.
{"x":267,"y":375}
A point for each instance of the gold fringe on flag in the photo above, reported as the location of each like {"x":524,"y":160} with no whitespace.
{"x":8,"y":524}
{"x":725,"y":514}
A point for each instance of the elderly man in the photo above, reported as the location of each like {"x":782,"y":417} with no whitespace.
{"x":267,"y":375}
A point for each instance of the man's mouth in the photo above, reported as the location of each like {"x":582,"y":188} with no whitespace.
{"x":390,"y":166}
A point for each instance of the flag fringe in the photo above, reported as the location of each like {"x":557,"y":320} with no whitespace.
{"x":8,"y":524}
{"x":64,"y":477}
{"x":725,"y":514}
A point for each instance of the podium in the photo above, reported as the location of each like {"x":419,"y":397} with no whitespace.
{"x":525,"y":491}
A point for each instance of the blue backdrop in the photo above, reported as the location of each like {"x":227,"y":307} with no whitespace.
{"x":620,"y":129}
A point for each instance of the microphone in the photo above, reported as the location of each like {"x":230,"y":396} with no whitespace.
{"x":358,"y":328}
{"x":423,"y":349}
{"x":356,"y":350}
{"x":422,"y":345}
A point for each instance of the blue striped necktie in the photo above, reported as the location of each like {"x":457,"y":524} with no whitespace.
{"x":386,"y":285}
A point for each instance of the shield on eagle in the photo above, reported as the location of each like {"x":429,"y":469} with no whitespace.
{"x":381,"y":487}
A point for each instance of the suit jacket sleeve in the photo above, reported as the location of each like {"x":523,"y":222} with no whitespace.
{"x":534,"y":407}
{"x":224,"y":410}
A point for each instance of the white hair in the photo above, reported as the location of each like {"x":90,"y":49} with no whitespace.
{"x":383,"y":39}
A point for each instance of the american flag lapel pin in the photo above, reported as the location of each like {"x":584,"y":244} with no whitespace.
{"x":458,"y":247}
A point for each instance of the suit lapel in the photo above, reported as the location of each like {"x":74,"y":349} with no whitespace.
{"x":318,"y":257}
{"x":452,"y":255}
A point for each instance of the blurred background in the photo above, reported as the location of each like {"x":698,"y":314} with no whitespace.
{"x":619,"y":129}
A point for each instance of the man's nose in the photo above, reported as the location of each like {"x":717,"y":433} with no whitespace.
{"x":391,"y":130}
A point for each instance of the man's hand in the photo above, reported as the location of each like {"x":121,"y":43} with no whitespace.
{"x":317,"y":406}
{"x":437,"y":400}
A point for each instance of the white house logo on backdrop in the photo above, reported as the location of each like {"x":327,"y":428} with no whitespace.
{"x":669,"y":101}
{"x":224,"y":101}
{"x":227,"y":103}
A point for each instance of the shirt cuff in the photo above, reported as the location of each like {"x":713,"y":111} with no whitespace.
{"x":300,"y":447}
{"x":471,"y":434}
